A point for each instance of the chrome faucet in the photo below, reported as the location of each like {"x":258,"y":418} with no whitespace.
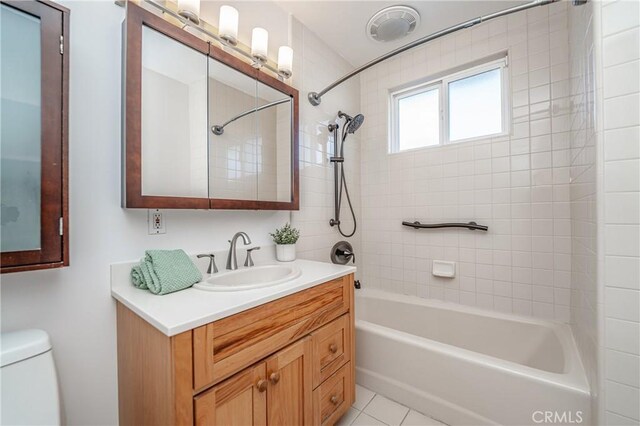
{"x":232,"y":260}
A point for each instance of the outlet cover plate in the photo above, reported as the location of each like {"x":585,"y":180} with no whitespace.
{"x":156,"y":222}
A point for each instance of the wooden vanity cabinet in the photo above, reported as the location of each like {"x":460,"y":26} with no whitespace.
{"x":287,"y":362}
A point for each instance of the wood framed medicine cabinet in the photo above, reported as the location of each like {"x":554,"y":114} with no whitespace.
{"x":34,"y":140}
{"x":176,"y":89}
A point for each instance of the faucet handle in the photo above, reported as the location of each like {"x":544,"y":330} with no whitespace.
{"x":249,"y":261}
{"x":212,"y":262}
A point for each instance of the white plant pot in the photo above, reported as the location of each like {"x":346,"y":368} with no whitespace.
{"x":286,"y":252}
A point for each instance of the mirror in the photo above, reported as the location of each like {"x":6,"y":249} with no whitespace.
{"x":203,"y":128}
{"x":250,"y":137}
{"x":232,"y":135}
{"x":274,"y":139}
{"x":174,"y":118}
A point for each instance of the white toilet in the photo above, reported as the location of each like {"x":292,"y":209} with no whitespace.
{"x":28,"y":381}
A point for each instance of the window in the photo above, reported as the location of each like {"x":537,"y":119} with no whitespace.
{"x":463,"y":106}
{"x":419,"y":118}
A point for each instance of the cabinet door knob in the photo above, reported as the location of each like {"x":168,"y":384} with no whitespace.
{"x":334,"y":400}
{"x":261,"y":385}
{"x":274,"y":377}
{"x":333,"y":348}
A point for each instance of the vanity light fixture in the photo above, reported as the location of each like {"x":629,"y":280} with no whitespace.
{"x":188,"y":13}
{"x":228,"y":24}
{"x":259,"y":44}
{"x":285,"y":61}
{"x":190,"y":9}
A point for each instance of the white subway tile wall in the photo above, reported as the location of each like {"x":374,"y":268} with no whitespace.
{"x":517,"y":185}
{"x":619,"y":101}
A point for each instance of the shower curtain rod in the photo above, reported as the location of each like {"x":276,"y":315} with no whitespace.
{"x":316,"y":97}
{"x":218,"y":129}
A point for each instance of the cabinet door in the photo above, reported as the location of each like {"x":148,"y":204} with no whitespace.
{"x":289,"y":399}
{"x":33,"y":135}
{"x":238,"y":401}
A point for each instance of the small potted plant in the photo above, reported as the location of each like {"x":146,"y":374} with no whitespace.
{"x":285,"y":239}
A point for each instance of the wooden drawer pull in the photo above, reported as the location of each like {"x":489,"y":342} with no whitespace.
{"x":261,"y":385}
{"x":274,"y":378}
{"x":333,"y":348}
{"x":334,"y":400}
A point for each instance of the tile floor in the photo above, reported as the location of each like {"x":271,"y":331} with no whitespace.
{"x":372,"y":409}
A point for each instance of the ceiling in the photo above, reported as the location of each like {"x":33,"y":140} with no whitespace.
{"x":342,"y":24}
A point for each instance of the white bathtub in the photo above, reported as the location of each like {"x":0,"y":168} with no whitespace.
{"x":469,"y":366}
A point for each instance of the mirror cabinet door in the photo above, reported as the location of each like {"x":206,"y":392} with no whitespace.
{"x":274,"y":142}
{"x":232,"y":133}
{"x":173,"y":118}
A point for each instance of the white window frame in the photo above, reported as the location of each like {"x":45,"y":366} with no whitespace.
{"x":442,"y":84}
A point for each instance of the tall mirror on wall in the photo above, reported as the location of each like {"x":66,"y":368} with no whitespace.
{"x":203,"y":129}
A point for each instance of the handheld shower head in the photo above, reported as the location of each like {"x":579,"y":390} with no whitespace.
{"x":352,"y":123}
{"x":355,"y":123}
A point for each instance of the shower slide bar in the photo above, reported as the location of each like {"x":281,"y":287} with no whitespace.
{"x":472,"y":226}
{"x":316,"y":97}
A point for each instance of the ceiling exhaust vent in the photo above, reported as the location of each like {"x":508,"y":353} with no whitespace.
{"x":393,"y":23}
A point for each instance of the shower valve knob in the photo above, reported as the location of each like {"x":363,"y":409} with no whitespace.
{"x":342,"y":253}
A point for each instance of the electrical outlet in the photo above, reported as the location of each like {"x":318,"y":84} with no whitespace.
{"x":156,"y":222}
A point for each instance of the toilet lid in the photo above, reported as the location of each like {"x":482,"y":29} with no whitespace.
{"x":16,"y":346}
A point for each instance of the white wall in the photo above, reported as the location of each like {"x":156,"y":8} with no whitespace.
{"x":74,"y":304}
{"x":517,"y":185}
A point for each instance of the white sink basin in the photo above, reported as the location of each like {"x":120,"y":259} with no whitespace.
{"x":250,"y":278}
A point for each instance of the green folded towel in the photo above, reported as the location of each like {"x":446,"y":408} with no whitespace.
{"x":165,"y":271}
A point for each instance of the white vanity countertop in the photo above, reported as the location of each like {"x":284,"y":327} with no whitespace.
{"x":183,"y":310}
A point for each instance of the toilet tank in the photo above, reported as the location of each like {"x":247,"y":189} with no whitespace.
{"x":28,"y":381}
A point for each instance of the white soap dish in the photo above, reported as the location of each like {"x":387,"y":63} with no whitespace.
{"x":444,"y":269}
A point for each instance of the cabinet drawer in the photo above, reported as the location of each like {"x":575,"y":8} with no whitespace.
{"x":227,"y":346}
{"x":333,"y":397}
{"x":331,"y":348}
